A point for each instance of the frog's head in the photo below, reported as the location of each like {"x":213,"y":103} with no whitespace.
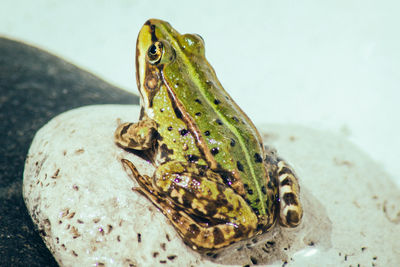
{"x":163,"y":56}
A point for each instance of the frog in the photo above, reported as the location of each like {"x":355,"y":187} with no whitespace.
{"x":214,"y":179}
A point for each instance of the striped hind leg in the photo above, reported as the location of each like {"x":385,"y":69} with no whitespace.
{"x":199,"y":235}
{"x":290,"y":210}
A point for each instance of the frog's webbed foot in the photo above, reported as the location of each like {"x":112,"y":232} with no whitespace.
{"x":139,"y":136}
{"x":290,"y":210}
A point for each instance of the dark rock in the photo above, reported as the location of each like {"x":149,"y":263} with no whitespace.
{"x":35,"y":86}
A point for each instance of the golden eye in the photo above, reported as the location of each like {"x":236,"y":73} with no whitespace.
{"x":155,"y":52}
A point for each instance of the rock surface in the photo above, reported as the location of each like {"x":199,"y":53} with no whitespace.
{"x":81,"y":199}
{"x":34,"y":87}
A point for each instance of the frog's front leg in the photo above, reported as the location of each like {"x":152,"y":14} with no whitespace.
{"x":205,"y":212}
{"x":290,"y":208}
{"x":139,"y":136}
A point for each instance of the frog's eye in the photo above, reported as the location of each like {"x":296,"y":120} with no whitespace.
{"x":193,"y":43}
{"x":155,"y":52}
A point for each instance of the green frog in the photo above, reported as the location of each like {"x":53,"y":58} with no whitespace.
{"x":213,"y":178}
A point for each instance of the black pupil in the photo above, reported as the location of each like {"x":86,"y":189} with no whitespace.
{"x":153,"y":49}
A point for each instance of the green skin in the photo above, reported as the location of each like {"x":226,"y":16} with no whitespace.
{"x":212,"y":177}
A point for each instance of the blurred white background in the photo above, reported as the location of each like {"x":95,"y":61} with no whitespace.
{"x":330,"y":65}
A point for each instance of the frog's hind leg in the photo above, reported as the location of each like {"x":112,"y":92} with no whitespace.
{"x":200,"y":236}
{"x":290,"y":209}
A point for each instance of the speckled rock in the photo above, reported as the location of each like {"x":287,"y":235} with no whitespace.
{"x":81,"y":199}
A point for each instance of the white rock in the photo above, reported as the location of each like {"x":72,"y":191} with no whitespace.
{"x":81,"y":199}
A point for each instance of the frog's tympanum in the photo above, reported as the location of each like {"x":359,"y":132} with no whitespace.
{"x":213,"y":178}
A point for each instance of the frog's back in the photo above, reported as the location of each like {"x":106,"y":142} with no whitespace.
{"x":228,"y":137}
